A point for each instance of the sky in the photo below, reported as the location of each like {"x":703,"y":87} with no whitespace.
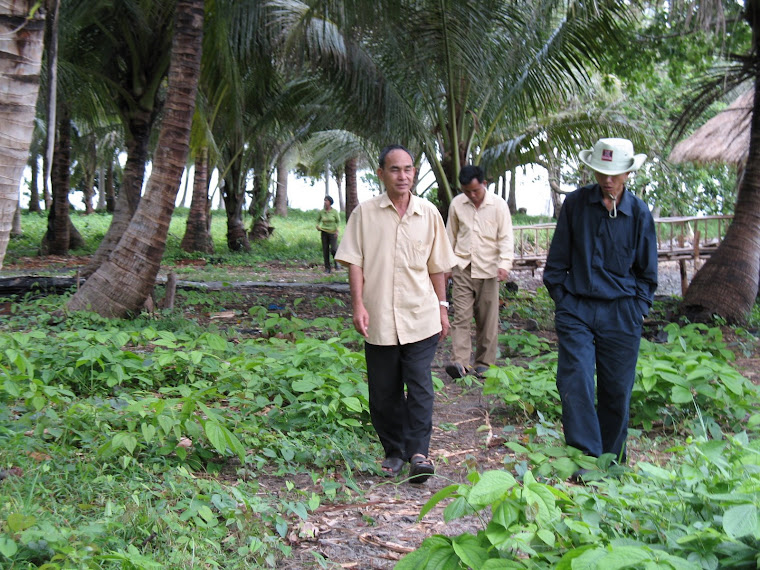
{"x":308,"y":194}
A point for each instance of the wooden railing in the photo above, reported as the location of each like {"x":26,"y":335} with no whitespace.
{"x":679,"y":238}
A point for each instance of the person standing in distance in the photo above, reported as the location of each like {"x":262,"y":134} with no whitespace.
{"x":601,"y":272}
{"x":328,"y":222}
{"x":480,"y":230}
{"x":397,"y":253}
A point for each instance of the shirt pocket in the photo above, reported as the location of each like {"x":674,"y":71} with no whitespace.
{"x":489,"y":229}
{"x":619,"y":259}
{"x":416,"y":253}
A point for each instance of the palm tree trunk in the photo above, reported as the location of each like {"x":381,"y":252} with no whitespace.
{"x":56,"y":239}
{"x":51,"y":98}
{"x":21,"y":39}
{"x":125,"y":280}
{"x":281,"y":196}
{"x":140,"y":125}
{"x":352,"y":189}
{"x":197,"y":237}
{"x":727,"y":284}
{"x":34,"y":191}
{"x":233,"y":194}
{"x":109,"y":188}
{"x":512,"y":198}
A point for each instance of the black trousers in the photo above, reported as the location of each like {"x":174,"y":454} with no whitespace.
{"x":602,"y":337}
{"x":402,"y":419}
{"x":329,"y":246}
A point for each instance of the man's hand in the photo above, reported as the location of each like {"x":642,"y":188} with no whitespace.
{"x":503,"y":274}
{"x":445,"y":326}
{"x":361,"y":320}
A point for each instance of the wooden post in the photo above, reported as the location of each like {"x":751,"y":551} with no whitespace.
{"x":696,"y":250}
{"x":171,"y":290}
{"x":684,"y":278}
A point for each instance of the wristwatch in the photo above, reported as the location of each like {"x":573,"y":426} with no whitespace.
{"x":444,"y":304}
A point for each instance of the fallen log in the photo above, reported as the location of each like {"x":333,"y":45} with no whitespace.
{"x":14,"y":286}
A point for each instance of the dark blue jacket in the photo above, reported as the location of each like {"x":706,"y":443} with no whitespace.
{"x":598,"y":257}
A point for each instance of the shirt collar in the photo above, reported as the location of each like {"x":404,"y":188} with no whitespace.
{"x":415,"y":205}
{"x":626,"y":203}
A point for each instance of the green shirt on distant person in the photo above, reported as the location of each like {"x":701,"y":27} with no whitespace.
{"x":328,"y":221}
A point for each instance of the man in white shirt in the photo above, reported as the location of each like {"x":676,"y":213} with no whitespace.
{"x":480,"y":230}
{"x":397,"y":253}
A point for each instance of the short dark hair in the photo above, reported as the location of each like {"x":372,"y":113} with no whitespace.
{"x":469,"y":172}
{"x":389,"y":148}
{"x":329,"y":199}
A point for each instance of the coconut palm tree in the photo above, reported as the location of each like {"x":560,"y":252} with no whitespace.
{"x":120,"y":50}
{"x":727,"y":284}
{"x":22,"y":28}
{"x":443,"y":76}
{"x":122,"y":283}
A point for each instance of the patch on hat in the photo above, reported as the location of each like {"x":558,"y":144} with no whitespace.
{"x":607,"y":155}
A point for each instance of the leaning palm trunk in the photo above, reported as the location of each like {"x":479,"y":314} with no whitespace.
{"x":138,"y":139}
{"x":21,"y":38}
{"x":727,"y":284}
{"x":125,"y":280}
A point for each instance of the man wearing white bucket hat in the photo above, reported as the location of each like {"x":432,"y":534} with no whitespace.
{"x":601,"y":272}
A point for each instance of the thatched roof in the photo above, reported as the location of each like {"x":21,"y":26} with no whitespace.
{"x":722,"y":139}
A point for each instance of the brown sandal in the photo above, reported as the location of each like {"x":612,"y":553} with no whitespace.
{"x":392,"y":466}
{"x":421,"y":468}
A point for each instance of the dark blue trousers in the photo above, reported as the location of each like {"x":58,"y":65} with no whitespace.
{"x":403,"y":419}
{"x":603,"y":337}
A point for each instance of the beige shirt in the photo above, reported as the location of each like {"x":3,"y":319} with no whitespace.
{"x":481,"y":236}
{"x":397,"y":257}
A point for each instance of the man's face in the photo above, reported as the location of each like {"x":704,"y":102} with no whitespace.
{"x":475,"y":191}
{"x":398,"y":173}
{"x":611,"y":184}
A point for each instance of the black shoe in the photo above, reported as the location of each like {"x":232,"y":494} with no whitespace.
{"x":481,"y":370}
{"x":578,"y":477}
{"x":586,"y":476}
{"x":455,"y":370}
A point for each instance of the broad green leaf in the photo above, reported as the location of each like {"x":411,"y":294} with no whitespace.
{"x":166,"y":423}
{"x":148,"y":431}
{"x":470,"y":551}
{"x":8,"y":547}
{"x":353,"y":404}
{"x":125,"y":440}
{"x":655,"y":472}
{"x":492,"y":486}
{"x":547,"y":536}
{"x":235,"y":445}
{"x":680,"y":395}
{"x":304,"y":385}
{"x":741,"y":521}
{"x":444,"y":493}
{"x":624,"y":557}
{"x":18,"y":522}
{"x":215,"y":435}
{"x":206,"y":514}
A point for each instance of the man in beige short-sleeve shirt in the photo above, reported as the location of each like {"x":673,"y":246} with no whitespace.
{"x":397,"y":252}
{"x":480,"y":230}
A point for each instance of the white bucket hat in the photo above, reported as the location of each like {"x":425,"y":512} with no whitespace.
{"x":612,"y":157}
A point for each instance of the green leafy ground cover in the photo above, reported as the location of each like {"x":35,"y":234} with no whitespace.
{"x":233,"y":432}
